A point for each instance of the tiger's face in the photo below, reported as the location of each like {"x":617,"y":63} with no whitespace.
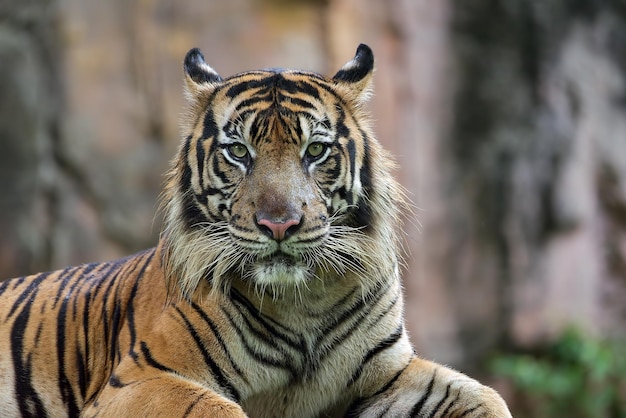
{"x":272,"y":181}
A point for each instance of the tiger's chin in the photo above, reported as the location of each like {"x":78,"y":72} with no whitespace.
{"x":280,"y":271}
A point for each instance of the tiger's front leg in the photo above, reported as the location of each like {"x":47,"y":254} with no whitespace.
{"x":161,"y":395}
{"x":427,"y":389}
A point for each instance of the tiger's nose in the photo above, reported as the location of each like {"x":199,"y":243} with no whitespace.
{"x":278,"y":230}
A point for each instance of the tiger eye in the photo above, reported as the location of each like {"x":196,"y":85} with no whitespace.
{"x":238,"y":150}
{"x":315,"y":149}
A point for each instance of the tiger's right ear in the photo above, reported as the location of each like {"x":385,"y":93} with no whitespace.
{"x":199,"y":76}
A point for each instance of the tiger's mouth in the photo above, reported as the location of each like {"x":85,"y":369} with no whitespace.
{"x":280,"y":257}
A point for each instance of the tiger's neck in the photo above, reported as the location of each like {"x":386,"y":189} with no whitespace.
{"x":317,"y":298}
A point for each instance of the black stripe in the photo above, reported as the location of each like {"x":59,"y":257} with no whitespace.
{"x":218,"y":172}
{"x":469,"y":411}
{"x":191,"y":213}
{"x":232,"y":128}
{"x":282,"y":363}
{"x":193,"y":405}
{"x":200,"y":162}
{"x":185,"y":179}
{"x":343,"y":194}
{"x":151,"y":361}
{"x":441,"y":402}
{"x":308,"y":88}
{"x":17,"y":282}
{"x":393,"y":380}
{"x":359,"y":404}
{"x":450,"y":405}
{"x":388,"y":309}
{"x":315,"y":238}
{"x":282,"y":83}
{"x":77,"y":286}
{"x":209,"y":129}
{"x":120,"y":309}
{"x":360,"y":310}
{"x":351,"y":147}
{"x":82,"y":371}
{"x":255,"y":129}
{"x":4,"y":285}
{"x":30,"y":291}
{"x":116,"y":326}
{"x":341,"y":130}
{"x":242,"y":240}
{"x":296,"y":101}
{"x":130,"y":309}
{"x":210,"y":191}
{"x":38,"y":334}
{"x":218,"y":337}
{"x":329,"y":89}
{"x":347,"y":314}
{"x":221,"y":209}
{"x":65,"y":385}
{"x":108,"y":291}
{"x":29,"y":402}
{"x":264,"y":321}
{"x":114,"y":381}
{"x":64,"y":277}
{"x":239,"y":87}
{"x":221,"y":380}
{"x":381,"y":346}
{"x":429,"y":390}
{"x":356,"y":408}
{"x":340,"y":303}
{"x":363,"y":215}
{"x":243,"y":229}
{"x":268,"y":338}
{"x":247,"y":105}
{"x":88,"y":294}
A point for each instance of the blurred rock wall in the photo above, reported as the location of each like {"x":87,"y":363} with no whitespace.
{"x":506,"y":119}
{"x":31,"y":110}
{"x":536,"y":186}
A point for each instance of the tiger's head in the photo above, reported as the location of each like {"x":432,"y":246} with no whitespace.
{"x":279,"y":180}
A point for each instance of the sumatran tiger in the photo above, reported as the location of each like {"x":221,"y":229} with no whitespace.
{"x":274,"y":290}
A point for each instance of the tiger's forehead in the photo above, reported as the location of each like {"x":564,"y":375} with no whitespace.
{"x":273,"y":104}
{"x":295,"y":90}
{"x":287,"y":79}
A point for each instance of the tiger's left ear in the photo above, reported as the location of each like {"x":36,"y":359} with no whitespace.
{"x":357,"y":74}
{"x":199,"y":76}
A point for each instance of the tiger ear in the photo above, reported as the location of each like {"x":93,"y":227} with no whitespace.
{"x":357,"y":74}
{"x":199,"y":76}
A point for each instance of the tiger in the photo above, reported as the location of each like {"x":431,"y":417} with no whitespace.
{"x":274,"y":289}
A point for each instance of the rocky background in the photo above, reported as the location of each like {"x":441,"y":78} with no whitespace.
{"x":507,"y":119}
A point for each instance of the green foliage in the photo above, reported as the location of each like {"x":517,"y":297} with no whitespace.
{"x":576,"y":376}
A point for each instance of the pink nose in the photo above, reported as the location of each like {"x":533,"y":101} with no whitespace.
{"x":278,"y":230}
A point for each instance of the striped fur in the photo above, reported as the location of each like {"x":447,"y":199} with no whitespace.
{"x":273,"y":292}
